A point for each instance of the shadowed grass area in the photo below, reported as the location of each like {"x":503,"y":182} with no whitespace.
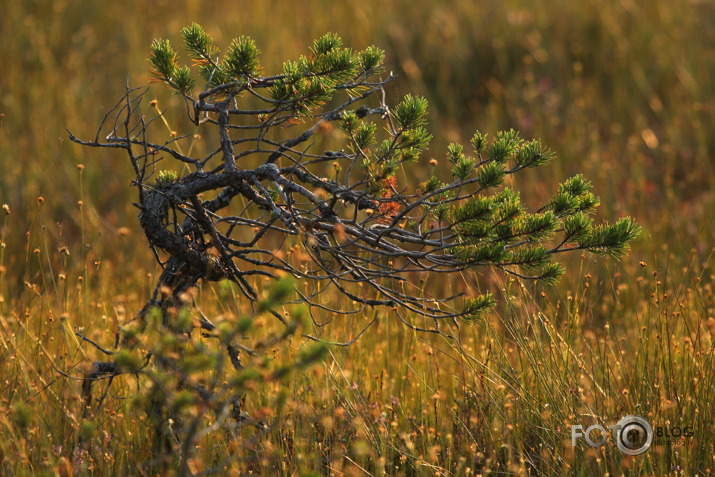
{"x":621,"y":90}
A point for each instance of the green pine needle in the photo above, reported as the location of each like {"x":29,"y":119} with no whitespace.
{"x":242,"y":58}
{"x":163,"y":59}
{"x":199,"y":43}
{"x":475,"y":308}
{"x":411,"y":112}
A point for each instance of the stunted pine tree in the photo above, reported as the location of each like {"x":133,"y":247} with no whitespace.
{"x":210,"y":217}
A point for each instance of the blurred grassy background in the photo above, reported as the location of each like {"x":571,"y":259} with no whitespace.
{"x":621,"y":90}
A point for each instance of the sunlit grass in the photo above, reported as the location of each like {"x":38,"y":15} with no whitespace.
{"x":500,"y":399}
{"x":621,"y":90}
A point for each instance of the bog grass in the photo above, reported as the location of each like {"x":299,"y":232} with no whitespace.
{"x":621,"y":90}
